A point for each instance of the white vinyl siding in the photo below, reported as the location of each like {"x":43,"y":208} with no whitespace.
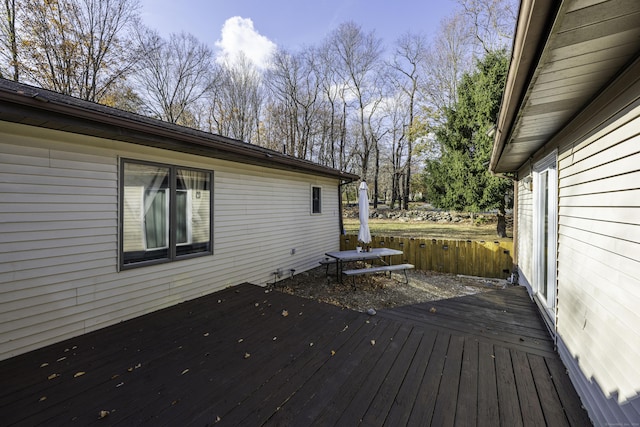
{"x":59,"y":231}
{"x":599,"y":256}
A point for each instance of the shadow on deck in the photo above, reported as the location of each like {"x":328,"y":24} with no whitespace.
{"x":245,"y":357}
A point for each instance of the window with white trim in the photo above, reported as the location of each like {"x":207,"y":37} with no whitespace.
{"x":165,"y":213}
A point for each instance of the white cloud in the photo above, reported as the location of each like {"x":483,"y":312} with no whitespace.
{"x":238,"y":35}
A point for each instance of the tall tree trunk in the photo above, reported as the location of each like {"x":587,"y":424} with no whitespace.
{"x":501,"y":228}
{"x":408,"y":179}
{"x":375,"y":176}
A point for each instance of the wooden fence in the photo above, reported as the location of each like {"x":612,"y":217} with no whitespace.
{"x":472,"y":258}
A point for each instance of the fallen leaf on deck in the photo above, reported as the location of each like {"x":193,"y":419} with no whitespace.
{"x":240,"y":340}
{"x":44,"y":364}
{"x":247,"y":355}
{"x":103,"y":414}
{"x":285,"y":313}
{"x":310,"y":344}
{"x":52,"y":376}
{"x":333,"y":352}
{"x":184,"y":372}
{"x":207,"y":334}
{"x":373,"y":342}
{"x":275,"y":338}
{"x":61,"y":359}
{"x":79,"y":374}
{"x":42,"y":399}
{"x":218,"y":419}
{"x":432,"y":309}
{"x":119,"y":385}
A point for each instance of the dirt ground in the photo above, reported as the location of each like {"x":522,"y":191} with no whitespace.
{"x":378,"y":291}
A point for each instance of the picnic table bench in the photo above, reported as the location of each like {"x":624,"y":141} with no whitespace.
{"x":380,"y":269}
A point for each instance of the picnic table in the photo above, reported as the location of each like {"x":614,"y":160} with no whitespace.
{"x":380,"y":254}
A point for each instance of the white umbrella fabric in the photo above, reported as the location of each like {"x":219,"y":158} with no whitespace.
{"x":364,"y":235}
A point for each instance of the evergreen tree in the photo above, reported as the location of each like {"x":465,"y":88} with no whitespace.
{"x":460,"y":179}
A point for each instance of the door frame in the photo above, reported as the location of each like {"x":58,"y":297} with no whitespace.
{"x":545,"y":227}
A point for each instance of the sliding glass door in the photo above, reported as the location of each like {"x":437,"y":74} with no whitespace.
{"x":545,"y":187}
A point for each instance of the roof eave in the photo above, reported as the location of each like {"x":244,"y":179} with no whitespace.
{"x":38,"y":107}
{"x":534,"y":24}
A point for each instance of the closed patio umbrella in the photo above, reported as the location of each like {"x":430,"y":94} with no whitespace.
{"x":364,"y":235}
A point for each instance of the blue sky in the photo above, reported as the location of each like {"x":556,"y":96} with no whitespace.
{"x":291,"y":24}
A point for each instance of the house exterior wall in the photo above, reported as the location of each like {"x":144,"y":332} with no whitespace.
{"x":598,"y":266}
{"x":59,"y":234}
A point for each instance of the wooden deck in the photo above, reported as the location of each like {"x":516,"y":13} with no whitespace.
{"x":246,"y":357}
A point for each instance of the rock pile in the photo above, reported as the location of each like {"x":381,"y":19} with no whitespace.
{"x":419,"y":215}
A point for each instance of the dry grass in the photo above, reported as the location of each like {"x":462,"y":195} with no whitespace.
{"x":429,"y":230}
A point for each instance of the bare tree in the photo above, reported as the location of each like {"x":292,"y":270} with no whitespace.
{"x":448,"y":59}
{"x":397,"y":145}
{"x":409,"y":59}
{"x":295,"y":87}
{"x":377,"y":128}
{"x":174,"y":74}
{"x":335,"y":105}
{"x":492,"y":21}
{"x":236,"y":101}
{"x":78,"y":47}
{"x":9,"y":65}
{"x":358,"y":60}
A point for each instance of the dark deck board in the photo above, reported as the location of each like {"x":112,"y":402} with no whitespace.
{"x":444,"y":412}
{"x":422,"y":411}
{"x":367,"y":355}
{"x":487,"y":389}
{"x":478,"y":360}
{"x":508,"y":403}
{"x":401,"y":406}
{"x":487,"y":316}
{"x":527,"y":395}
{"x":384,"y":397}
{"x":551,"y":405}
{"x":467,"y":402}
{"x":371,"y":386}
